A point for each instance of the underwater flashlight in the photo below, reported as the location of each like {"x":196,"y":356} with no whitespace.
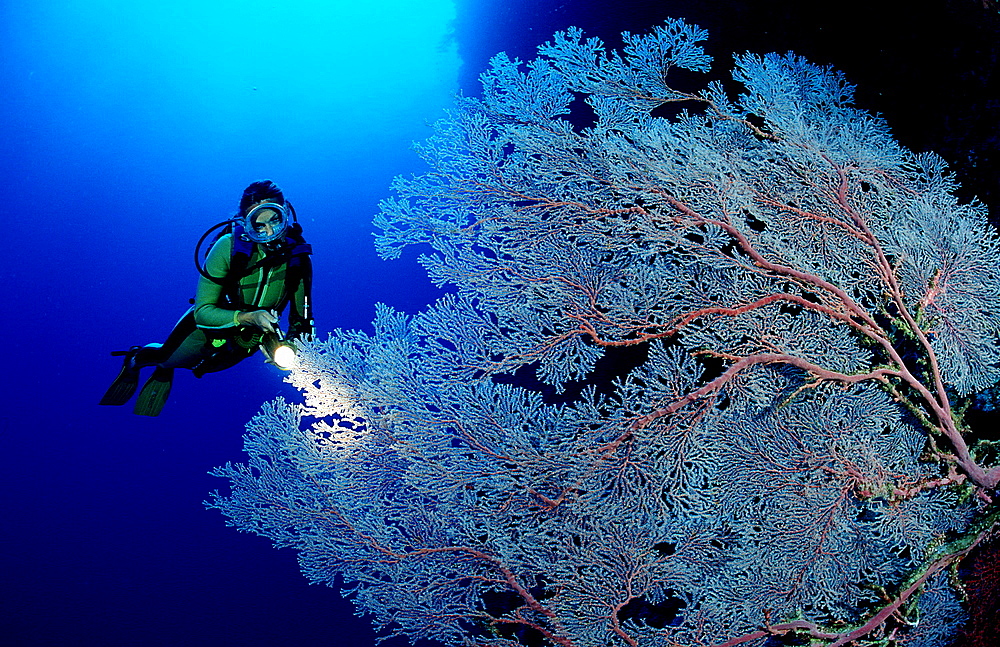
{"x":278,"y":350}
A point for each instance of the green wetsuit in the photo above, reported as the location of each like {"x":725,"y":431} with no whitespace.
{"x":266,"y":287}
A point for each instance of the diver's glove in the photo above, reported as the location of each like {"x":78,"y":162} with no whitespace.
{"x":263,"y":319}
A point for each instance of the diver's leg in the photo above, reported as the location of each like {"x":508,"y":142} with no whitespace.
{"x":189,"y":352}
{"x":186,"y":354}
{"x":220,"y":361}
{"x":138,"y":357}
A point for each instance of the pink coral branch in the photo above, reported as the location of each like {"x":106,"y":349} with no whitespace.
{"x":940,"y":403}
{"x":761,"y":358}
{"x":508,"y":576}
{"x":936,"y":400}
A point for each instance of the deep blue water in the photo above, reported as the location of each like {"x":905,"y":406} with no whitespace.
{"x":129,"y":128}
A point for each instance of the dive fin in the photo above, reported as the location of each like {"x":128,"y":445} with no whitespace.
{"x":122,"y":389}
{"x":154,"y":392}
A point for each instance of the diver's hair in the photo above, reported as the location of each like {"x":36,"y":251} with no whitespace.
{"x":260,"y":190}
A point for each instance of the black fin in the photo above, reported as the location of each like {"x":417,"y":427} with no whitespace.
{"x":122,"y":389}
{"x":154,"y":392}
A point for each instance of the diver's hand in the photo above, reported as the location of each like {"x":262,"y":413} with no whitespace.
{"x":261,"y":318}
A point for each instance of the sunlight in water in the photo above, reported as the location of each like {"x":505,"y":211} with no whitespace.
{"x":302,"y":78}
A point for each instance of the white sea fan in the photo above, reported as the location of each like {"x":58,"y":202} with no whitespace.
{"x":673,"y":393}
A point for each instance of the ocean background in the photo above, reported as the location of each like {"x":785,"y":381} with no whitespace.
{"x":128,"y":128}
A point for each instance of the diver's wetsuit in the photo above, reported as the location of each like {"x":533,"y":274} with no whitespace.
{"x":214,"y":319}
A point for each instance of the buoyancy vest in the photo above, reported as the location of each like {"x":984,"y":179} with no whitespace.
{"x":292,"y":250}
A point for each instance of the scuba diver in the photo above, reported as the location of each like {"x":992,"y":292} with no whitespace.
{"x":258,"y":264}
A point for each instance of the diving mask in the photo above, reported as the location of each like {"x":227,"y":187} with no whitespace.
{"x":266,"y":222}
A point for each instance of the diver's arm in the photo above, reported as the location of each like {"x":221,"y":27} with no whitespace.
{"x":207,"y":313}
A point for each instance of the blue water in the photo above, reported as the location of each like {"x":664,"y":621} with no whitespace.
{"x":128,"y":128}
